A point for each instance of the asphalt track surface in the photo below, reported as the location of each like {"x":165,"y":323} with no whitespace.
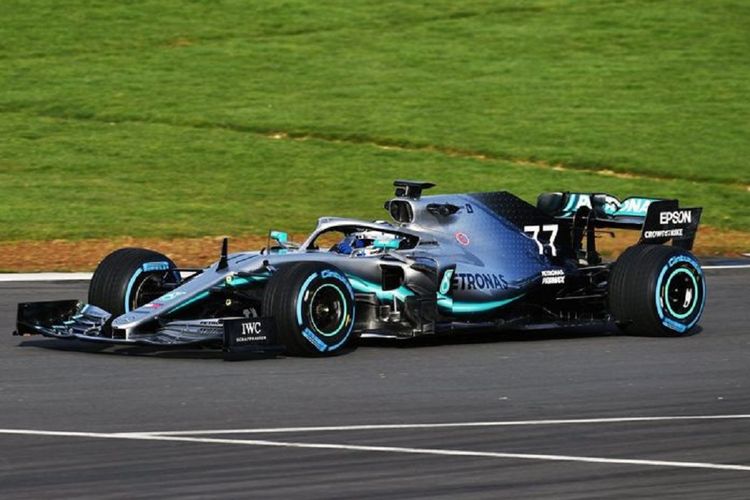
{"x":113,"y":414}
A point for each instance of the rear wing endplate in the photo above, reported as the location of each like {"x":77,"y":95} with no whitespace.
{"x":665,"y":221}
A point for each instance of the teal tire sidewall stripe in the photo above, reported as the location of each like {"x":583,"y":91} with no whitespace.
{"x":129,"y":289}
{"x":301,"y":296}
{"x":668,"y":318}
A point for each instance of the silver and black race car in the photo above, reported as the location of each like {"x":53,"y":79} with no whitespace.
{"x":444,"y":263}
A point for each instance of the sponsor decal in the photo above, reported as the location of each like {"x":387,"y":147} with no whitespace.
{"x":155,"y":266}
{"x":610,"y":205}
{"x":684,"y":258}
{"x":256,"y":338}
{"x":634,"y":207}
{"x":314,"y":340}
{"x":152,"y":305}
{"x":171,"y":296}
{"x":463,"y":239}
{"x":251,"y":328}
{"x":577,"y":201}
{"x":663,"y":233}
{"x":445,"y":284}
{"x":249,"y":337}
{"x":553,"y":277}
{"x":251,"y":331}
{"x":477,"y":281}
{"x":675,"y":217}
{"x":239,"y":332}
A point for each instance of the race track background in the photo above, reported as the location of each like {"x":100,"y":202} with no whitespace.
{"x":517,"y":387}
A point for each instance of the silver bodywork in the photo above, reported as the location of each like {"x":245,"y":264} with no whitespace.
{"x":492,"y":264}
{"x":449,"y":261}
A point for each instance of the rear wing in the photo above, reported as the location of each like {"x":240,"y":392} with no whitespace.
{"x":658,"y":220}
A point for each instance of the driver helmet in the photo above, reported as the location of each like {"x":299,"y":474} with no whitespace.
{"x":362,"y":243}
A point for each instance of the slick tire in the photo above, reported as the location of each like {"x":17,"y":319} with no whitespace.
{"x":657,"y":290}
{"x":130,"y":277}
{"x":312,"y":305}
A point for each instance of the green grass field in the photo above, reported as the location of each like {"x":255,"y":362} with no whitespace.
{"x":186,"y":118}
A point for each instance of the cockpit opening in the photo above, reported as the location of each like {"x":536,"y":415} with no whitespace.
{"x":362,"y":242}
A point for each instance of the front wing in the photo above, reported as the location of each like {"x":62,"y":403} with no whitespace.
{"x":71,"y":320}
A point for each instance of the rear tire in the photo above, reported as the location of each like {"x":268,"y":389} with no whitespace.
{"x":125,"y":279}
{"x":657,"y":290}
{"x":313,"y":308}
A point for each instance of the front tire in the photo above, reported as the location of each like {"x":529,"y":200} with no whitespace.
{"x":313,"y":307}
{"x":130,"y":277}
{"x":657,"y":290}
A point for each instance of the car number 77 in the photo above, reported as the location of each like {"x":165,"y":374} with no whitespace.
{"x":536,"y":230}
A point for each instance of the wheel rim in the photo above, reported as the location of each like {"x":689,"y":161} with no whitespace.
{"x":147,"y":290}
{"x":681,"y":293}
{"x":327,"y":310}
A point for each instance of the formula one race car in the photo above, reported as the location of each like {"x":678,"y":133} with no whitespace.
{"x":446,"y":263}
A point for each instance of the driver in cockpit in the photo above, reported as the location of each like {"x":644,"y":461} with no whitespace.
{"x":362,"y":243}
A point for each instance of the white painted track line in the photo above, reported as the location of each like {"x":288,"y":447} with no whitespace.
{"x":448,"y":425}
{"x":384,"y":449}
{"x":11,"y":277}
{"x":739,"y":266}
